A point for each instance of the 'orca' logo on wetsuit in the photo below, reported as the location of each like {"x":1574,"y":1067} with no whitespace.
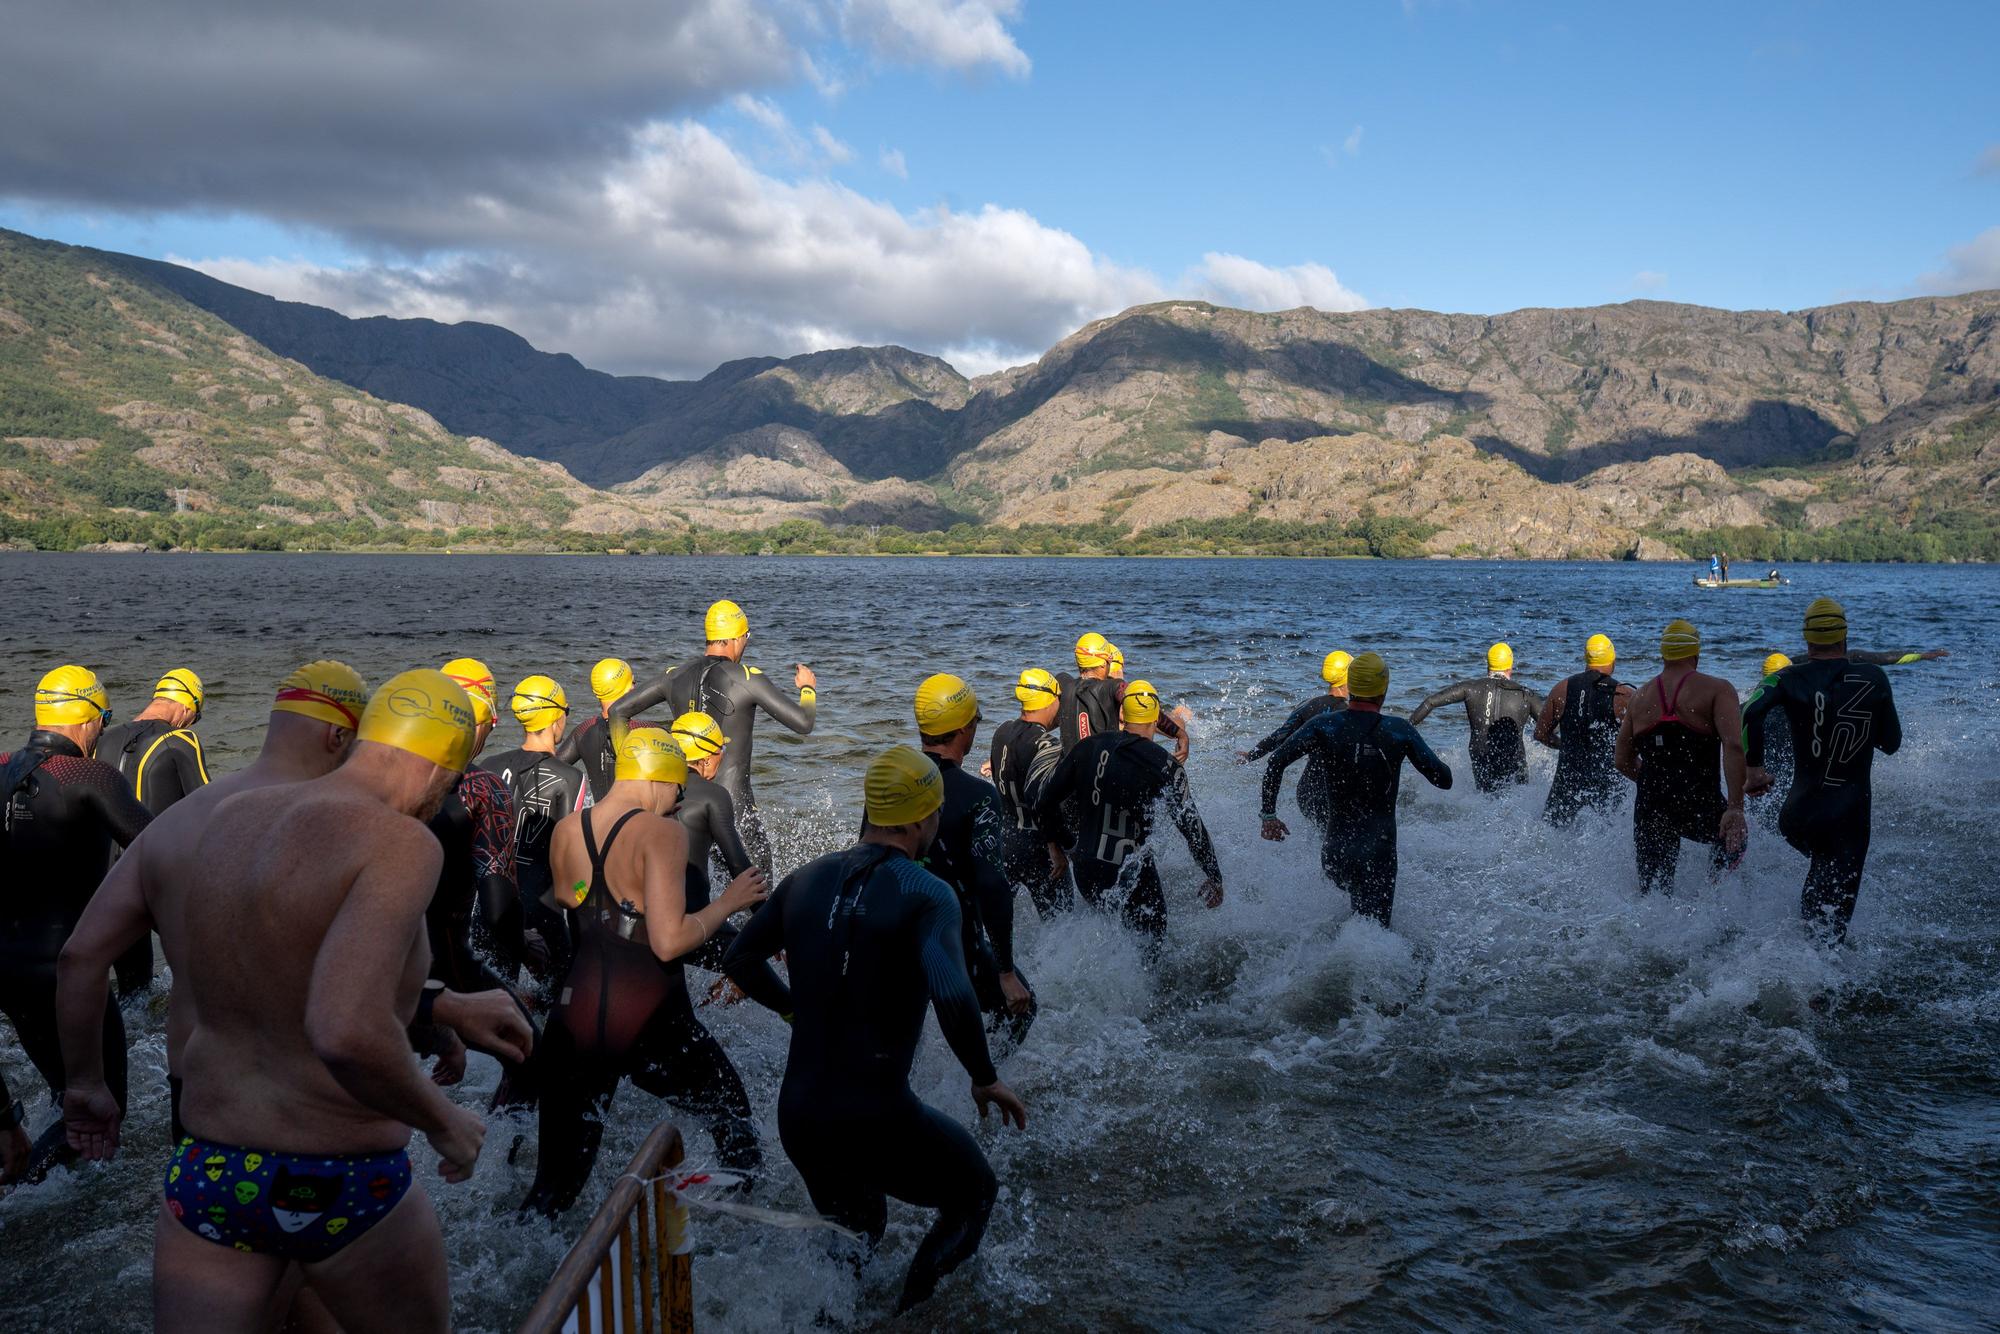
{"x":410,"y":702}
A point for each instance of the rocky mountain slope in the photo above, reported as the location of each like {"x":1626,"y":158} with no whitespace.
{"x":117,"y":396}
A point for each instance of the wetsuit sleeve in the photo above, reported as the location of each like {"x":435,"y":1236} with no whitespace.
{"x":722,"y":833}
{"x":635,"y":702}
{"x":797,"y":714}
{"x":1888,"y":658}
{"x":1180,"y":805}
{"x":1449,"y":695}
{"x":1423,"y":759}
{"x":957,"y":1004}
{"x":1292,"y":723}
{"x":1049,"y":801}
{"x":570,"y":749}
{"x":761,"y":937}
{"x":1288,"y":751}
{"x":1545,"y":724}
{"x":990,"y":886}
{"x":112,"y":802}
{"x":191,"y":763}
{"x":491,"y":807}
{"x":1888,"y":727}
{"x":1755,"y":709}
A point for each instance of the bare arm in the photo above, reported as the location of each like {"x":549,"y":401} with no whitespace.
{"x":1545,"y":726}
{"x":116,"y":919}
{"x":670,"y":928}
{"x":1729,"y":726}
{"x":1625,"y":758}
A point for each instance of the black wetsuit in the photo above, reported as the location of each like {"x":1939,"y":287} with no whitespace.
{"x":474,"y":918}
{"x":163,"y":763}
{"x":589,"y":748}
{"x":1363,"y":752}
{"x":1088,"y":707}
{"x":966,"y":855}
{"x":1024,"y":754}
{"x":1586,"y":743}
{"x":63,"y":814}
{"x":1312,"y":780}
{"x":624,"y":1014}
{"x":1777,"y":759}
{"x":730,"y":693}
{"x":709,"y":818}
{"x":869,"y":937}
{"x":544,"y":790}
{"x":1113,"y":782}
{"x":1500,"y":713}
{"x":1680,"y":793}
{"x":1839,"y":713}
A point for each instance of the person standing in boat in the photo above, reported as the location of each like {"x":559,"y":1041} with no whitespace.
{"x":1715,"y":567}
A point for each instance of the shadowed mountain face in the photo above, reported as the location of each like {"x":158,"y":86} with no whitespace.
{"x":1653,"y":417}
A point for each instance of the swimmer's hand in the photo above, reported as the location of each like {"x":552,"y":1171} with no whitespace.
{"x":90,"y":1121}
{"x":1243,"y":757}
{"x":1735,"y":831}
{"x":986,"y":768}
{"x":1015,"y":993}
{"x":997,"y":1094}
{"x":1058,"y":861}
{"x":803,"y":677}
{"x":1211,"y":893}
{"x":745,"y":891}
{"x":1934,"y":655}
{"x":450,"y":1067}
{"x":14,"y":1150}
{"x":458,"y":1143}
{"x":1274,"y":829}
{"x":724,"y":992}
{"x":489,"y":1020}
{"x":1756,"y":780}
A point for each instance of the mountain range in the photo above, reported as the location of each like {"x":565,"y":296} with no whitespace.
{"x":1647,"y":427}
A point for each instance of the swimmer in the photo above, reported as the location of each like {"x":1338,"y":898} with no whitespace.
{"x":709,"y":817}
{"x":476,"y":927}
{"x":624,"y":1011}
{"x":1839,"y":713}
{"x":590,"y":745}
{"x":1312,"y":781}
{"x":1500,"y":714}
{"x":967,"y":854}
{"x":1115,"y":781}
{"x":1681,"y":739}
{"x":160,"y":756}
{"x":1777,"y":749}
{"x":304,"y":957}
{"x":1363,"y":752}
{"x":64,"y":811}
{"x":1580,"y":722}
{"x":719,"y":685}
{"x":1089,"y":701}
{"x":869,"y":937}
{"x":1025,"y":752}
{"x":544,"y":791}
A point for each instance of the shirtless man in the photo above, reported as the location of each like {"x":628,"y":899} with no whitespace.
{"x":304,"y":957}
{"x":1682,"y":736}
{"x":312,"y":725}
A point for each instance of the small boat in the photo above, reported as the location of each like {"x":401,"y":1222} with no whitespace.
{"x":1706,"y":581}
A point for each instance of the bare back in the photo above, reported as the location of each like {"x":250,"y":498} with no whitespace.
{"x":255,"y":894}
{"x":1698,"y":700}
{"x":646,"y":869}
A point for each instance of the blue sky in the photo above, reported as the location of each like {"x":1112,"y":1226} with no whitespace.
{"x":976,"y":178}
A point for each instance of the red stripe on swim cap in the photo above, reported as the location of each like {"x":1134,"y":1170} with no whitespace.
{"x":302,"y":694}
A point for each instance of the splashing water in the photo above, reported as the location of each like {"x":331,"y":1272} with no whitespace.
{"x":1539,"y":1096}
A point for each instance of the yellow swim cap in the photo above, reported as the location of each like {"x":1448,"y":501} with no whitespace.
{"x":1679,"y":641}
{"x":610,"y":679}
{"x":647,"y":754}
{"x":1093,"y":650}
{"x":1598,"y":652}
{"x":182,"y":686}
{"x":1826,"y":622}
{"x":68,"y":696}
{"x":1368,"y":677}
{"x":477,"y":681}
{"x":945,"y":703}
{"x":538,"y":702}
{"x":1114,"y":660}
{"x":1500,"y":658}
{"x":699,"y":735}
{"x":725,"y":620}
{"x":328,"y":691}
{"x":1141,"y":703}
{"x":1334,"y":670}
{"x":902,"y":786}
{"x":1037,"y":689}
{"x":424,"y":713}
{"x":1776,"y":663}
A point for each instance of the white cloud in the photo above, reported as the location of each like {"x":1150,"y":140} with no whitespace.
{"x":1648,"y":280}
{"x":1232,"y":280}
{"x":957,"y":34}
{"x":1351,"y":145}
{"x":1972,"y":267}
{"x":832,"y":147}
{"x":895,"y":164}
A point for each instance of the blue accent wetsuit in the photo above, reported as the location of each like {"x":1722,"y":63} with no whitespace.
{"x":1363,"y":752}
{"x":870,"y":937}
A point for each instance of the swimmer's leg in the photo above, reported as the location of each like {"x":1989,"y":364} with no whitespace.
{"x":1833,"y":880}
{"x":684,"y":1064}
{"x":571,"y":1124}
{"x":939,"y":1166}
{"x":393,"y":1278}
{"x":1656,"y":847}
{"x":200,"y":1286}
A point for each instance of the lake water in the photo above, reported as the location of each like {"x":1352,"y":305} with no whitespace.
{"x":1541,"y":1101}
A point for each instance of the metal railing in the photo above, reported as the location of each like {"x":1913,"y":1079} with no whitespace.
{"x":628,"y":1273}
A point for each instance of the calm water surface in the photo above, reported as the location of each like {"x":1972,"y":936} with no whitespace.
{"x":1540,"y":1101}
